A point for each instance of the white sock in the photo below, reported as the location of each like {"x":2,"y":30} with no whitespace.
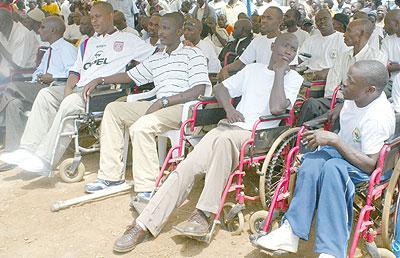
{"x":140,"y":224}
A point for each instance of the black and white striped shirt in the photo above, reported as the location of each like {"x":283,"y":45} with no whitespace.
{"x":173,"y":73}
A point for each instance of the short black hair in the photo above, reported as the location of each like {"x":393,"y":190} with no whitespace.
{"x":107,"y":6}
{"x":177,"y":17}
{"x":375,"y":72}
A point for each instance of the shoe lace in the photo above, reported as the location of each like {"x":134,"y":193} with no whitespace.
{"x":135,"y":229}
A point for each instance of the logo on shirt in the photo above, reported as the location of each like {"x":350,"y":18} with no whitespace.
{"x":356,"y":135}
{"x":118,"y":46}
{"x":98,"y":60}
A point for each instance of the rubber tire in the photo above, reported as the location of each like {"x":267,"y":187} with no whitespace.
{"x":255,"y":220}
{"x":238,"y":217}
{"x":63,"y":170}
{"x":385,"y":253}
{"x":386,"y":206}
{"x":267,"y":160}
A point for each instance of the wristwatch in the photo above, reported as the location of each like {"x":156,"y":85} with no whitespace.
{"x":164,"y":102}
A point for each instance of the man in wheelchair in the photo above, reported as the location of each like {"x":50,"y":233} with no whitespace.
{"x":106,"y":53}
{"x":327,"y":177}
{"x":265,"y":90}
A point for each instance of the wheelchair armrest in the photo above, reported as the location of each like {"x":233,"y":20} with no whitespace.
{"x":149,"y":95}
{"x":394,"y":140}
{"x":205,"y":98}
{"x":274,"y":117}
{"x":315,"y":123}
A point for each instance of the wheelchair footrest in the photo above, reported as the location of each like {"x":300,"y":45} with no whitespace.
{"x":235,"y":210}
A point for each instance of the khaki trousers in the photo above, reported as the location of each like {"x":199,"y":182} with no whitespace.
{"x":143,"y":129}
{"x":48,"y":110}
{"x":217,"y":155}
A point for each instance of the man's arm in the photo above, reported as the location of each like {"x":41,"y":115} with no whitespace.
{"x":393,"y":67}
{"x":72,"y":80}
{"x":237,"y":65}
{"x":222,"y":95}
{"x":278,"y":103}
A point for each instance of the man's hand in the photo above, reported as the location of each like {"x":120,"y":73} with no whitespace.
{"x":45,"y":78}
{"x":154,"y":107}
{"x":89,"y":88}
{"x":313,"y":139}
{"x":393,"y":66}
{"x":281,"y":66}
{"x":188,"y":43}
{"x":234,"y":116}
{"x":223,"y":74}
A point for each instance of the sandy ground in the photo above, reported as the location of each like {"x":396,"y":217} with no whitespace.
{"x":29,"y":229}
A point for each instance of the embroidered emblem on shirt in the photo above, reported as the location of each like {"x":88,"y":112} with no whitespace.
{"x":333,"y":54}
{"x":356,"y":135}
{"x":118,"y":46}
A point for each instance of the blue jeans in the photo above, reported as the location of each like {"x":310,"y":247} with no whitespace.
{"x":325,"y":182}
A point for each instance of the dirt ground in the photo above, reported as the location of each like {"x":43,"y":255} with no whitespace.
{"x":29,"y":229}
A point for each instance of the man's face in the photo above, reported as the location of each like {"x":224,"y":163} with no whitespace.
{"x":355,"y":7}
{"x":380,"y":12}
{"x":390,"y":24}
{"x":270,"y":21}
{"x":290,"y":19}
{"x":101,"y":19}
{"x":76,"y":18}
{"x":292,"y":4}
{"x":323,"y":20}
{"x":86,"y":27}
{"x":168,"y":33}
{"x":237,"y":30}
{"x":352,"y":35}
{"x":45,"y":31}
{"x":119,"y":20}
{"x":153,"y":26}
{"x":338,"y":26}
{"x":191,"y":32}
{"x":347,"y":11}
{"x":222,"y":21}
{"x":285,"y":50}
{"x":353,"y":87}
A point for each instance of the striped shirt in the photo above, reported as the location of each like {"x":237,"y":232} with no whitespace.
{"x":172,"y":74}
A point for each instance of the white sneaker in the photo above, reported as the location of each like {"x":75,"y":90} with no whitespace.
{"x":15,"y":157}
{"x":326,"y":256}
{"x":282,"y":239}
{"x":34,"y":164}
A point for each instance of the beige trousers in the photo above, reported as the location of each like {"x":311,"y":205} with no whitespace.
{"x":48,"y":110}
{"x":217,"y":155}
{"x":143,"y":130}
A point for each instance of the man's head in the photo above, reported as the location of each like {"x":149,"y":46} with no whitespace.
{"x":192,"y":30}
{"x":284,"y":48}
{"x":52,"y":29}
{"x":200,"y":3}
{"x":291,"y":18}
{"x":307,"y":25}
{"x":221,"y":21}
{"x":119,"y":20}
{"x":33,"y":20}
{"x":171,"y":28}
{"x":365,"y":81}
{"x":347,"y":11}
{"x":47,"y":1}
{"x":356,"y":7}
{"x":392,"y":22}
{"x":360,"y":15}
{"x":76,"y":17}
{"x":323,"y":20}
{"x":358,"y":32}
{"x":255,"y":22}
{"x":6,"y":22}
{"x":242,"y":16}
{"x":340,"y":22}
{"x":271,"y":20}
{"x":372,"y":17}
{"x":381,"y":12}
{"x":86,"y":27}
{"x":102,"y":15}
{"x":186,"y":6}
{"x":293,"y":4}
{"x":144,"y":22}
{"x":242,"y":29}
{"x":327,"y":4}
{"x":153,"y":25}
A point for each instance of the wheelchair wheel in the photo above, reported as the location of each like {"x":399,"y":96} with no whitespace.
{"x":234,"y":225}
{"x":391,"y":208}
{"x":67,"y":175}
{"x":274,"y":165}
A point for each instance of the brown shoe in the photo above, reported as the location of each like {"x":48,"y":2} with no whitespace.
{"x":132,"y":236}
{"x":197,"y":225}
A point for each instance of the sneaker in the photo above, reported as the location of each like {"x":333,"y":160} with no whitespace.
{"x":15,"y":157}
{"x":101,"y":184}
{"x":281,"y":239}
{"x":36,"y":165}
{"x":326,"y":256}
{"x":132,"y":236}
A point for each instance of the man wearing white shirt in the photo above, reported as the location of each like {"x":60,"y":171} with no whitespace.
{"x":259,"y":50}
{"x":18,"y":97}
{"x":72,"y":33}
{"x":120,"y":23}
{"x":106,"y":53}
{"x":232,"y":9}
{"x":324,"y":48}
{"x":18,"y":46}
{"x":65,"y":10}
{"x":152,"y":29}
{"x":391,"y":47}
{"x":290,"y":20}
{"x":192,"y":30}
{"x":157,"y":6}
{"x":128,"y":8}
{"x":356,"y":37}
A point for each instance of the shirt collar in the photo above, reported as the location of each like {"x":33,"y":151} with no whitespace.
{"x":180,"y":46}
{"x":57,"y":43}
{"x":362,"y":52}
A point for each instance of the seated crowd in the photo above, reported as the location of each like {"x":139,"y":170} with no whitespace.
{"x":189,"y":49}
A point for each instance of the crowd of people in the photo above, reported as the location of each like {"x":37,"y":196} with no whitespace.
{"x":260,"y":50}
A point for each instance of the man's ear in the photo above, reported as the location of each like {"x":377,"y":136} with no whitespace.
{"x":372,"y":89}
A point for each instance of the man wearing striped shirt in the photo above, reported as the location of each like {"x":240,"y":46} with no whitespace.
{"x":180,"y":75}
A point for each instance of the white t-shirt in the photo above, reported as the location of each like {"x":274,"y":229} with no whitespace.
{"x":131,"y":30}
{"x":254,"y":83}
{"x":109,"y":54}
{"x":367,"y":128}
{"x":207,"y":47}
{"x":338,"y":73}
{"x":72,"y":32}
{"x":232,"y":11}
{"x":324,"y":50}
{"x":23,"y":47}
{"x":300,"y":34}
{"x":391,"y":47}
{"x":374,"y":39}
{"x":259,"y":51}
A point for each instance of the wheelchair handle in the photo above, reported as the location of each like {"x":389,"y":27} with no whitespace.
{"x":274,"y":117}
{"x":315,"y":122}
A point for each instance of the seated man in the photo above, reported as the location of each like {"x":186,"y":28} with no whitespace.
{"x":180,"y":75}
{"x":327,"y":176}
{"x":242,"y":37}
{"x":18,"y":96}
{"x":18,"y":46}
{"x":356,"y":37}
{"x":106,"y":53}
{"x":265,"y":90}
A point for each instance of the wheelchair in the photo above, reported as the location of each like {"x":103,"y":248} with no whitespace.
{"x":375,"y":216}
{"x":252,"y":154}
